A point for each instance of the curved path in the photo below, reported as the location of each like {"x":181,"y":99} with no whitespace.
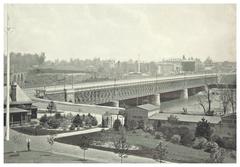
{"x":40,"y":143}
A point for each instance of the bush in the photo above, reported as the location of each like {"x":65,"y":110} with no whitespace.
{"x":199,"y":143}
{"x":77,"y":120}
{"x":53,"y":123}
{"x":176,"y":139}
{"x":117,"y":124}
{"x":72,"y":127}
{"x":187,"y":139}
{"x":43,"y":119}
{"x":203,"y":129}
{"x":210,"y":146}
{"x":218,"y":140}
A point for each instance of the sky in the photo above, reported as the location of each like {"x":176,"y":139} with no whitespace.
{"x":123,"y":32}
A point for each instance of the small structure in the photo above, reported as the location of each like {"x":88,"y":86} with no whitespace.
{"x":108,"y":119}
{"x":21,"y":108}
{"x":141,"y":113}
{"x":190,"y":121}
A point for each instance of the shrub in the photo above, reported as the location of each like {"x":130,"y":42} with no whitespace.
{"x":94,"y":121}
{"x":199,"y":143}
{"x":203,"y":129}
{"x":77,"y":120}
{"x":43,"y":119}
{"x":187,"y":139}
{"x":218,"y":140}
{"x":210,"y":146}
{"x":72,"y":127}
{"x":176,"y":139}
{"x":53,"y":123}
{"x":117,"y":124}
{"x":141,"y":124}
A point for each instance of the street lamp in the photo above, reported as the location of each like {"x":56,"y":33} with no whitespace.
{"x":8,"y":83}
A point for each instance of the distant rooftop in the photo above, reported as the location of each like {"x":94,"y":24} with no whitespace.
{"x":149,"y":107}
{"x":186,"y":118}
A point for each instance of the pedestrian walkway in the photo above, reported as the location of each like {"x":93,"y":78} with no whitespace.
{"x":80,"y":132}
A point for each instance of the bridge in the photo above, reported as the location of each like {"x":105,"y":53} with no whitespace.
{"x":114,"y":91}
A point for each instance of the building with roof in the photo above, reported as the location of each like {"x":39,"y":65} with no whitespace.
{"x":190,"y":121}
{"x":21,"y":108}
{"x":141,"y":113}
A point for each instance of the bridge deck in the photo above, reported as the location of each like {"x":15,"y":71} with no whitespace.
{"x":123,"y":82}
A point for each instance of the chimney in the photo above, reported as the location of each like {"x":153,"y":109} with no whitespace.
{"x":13,"y":91}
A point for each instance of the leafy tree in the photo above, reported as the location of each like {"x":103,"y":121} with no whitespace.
{"x":141,"y":124}
{"x":50,"y":140}
{"x":51,"y":107}
{"x":160,"y":152}
{"x":84,"y":144}
{"x":53,"y":123}
{"x":43,"y":119}
{"x":117,"y":124}
{"x":121,"y":145}
{"x":203,"y":129}
{"x":77,"y":121}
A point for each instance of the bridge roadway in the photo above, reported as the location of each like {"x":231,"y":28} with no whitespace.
{"x":114,"y":91}
{"x":117,"y":83}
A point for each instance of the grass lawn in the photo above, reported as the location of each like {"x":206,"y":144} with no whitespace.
{"x":147,"y":142}
{"x":39,"y":157}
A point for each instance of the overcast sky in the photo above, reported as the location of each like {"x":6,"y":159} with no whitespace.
{"x":122,"y":32}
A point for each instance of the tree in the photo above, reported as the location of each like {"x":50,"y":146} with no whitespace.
{"x":51,"y":107}
{"x":224,"y":99}
{"x":84,"y":144}
{"x":117,"y":124}
{"x":160,"y":152}
{"x":44,"y":119}
{"x":206,"y":101}
{"x":50,"y":140}
{"x":203,"y":129}
{"x":141,"y":124}
{"x":121,"y":145}
{"x":77,"y":121}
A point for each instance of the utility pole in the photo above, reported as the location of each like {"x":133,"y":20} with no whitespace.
{"x":8,"y":85}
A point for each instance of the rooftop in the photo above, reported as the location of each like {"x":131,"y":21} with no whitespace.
{"x":21,"y":96}
{"x":186,"y":118}
{"x":148,"y":107}
{"x":16,"y":110}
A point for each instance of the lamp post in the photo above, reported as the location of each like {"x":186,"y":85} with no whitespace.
{"x":8,"y":84}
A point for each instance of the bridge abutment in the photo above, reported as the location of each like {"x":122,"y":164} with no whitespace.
{"x":156,"y":100}
{"x":115,"y":103}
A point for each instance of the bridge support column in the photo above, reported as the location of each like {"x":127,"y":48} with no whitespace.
{"x":184,"y":94}
{"x":69,"y":95}
{"x":115,"y":103}
{"x":156,"y":99}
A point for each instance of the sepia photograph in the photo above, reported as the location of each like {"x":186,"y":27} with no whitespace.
{"x":119,"y":83}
